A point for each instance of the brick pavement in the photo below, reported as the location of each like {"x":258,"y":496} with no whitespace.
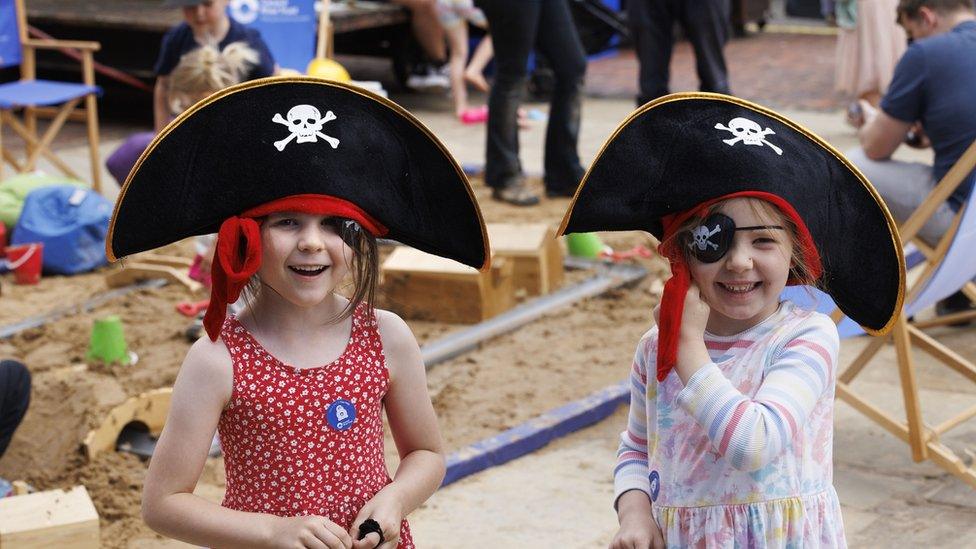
{"x":786,"y":71}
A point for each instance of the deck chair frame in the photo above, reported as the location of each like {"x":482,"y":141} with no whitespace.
{"x":37,"y":146}
{"x":907,"y":336}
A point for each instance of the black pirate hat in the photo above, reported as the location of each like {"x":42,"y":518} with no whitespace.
{"x":244,"y":146}
{"x":302,"y":144}
{"x":674,"y":155}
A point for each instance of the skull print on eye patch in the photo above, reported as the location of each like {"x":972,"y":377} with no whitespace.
{"x":710,"y":241}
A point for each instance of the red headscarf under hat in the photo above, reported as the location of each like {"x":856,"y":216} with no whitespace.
{"x":238,"y":254}
{"x":673,"y":300}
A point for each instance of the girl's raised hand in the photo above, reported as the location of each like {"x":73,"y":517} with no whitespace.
{"x":695,"y":315}
{"x":308,"y":532}
{"x":387,"y":510}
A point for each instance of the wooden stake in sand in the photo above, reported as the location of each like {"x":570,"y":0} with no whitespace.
{"x":54,"y":518}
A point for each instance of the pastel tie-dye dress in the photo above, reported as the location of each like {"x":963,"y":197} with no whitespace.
{"x":741,"y":456}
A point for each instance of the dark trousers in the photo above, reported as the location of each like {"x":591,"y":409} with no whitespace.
{"x":516,"y":27}
{"x":15,"y":386}
{"x":706,"y":24}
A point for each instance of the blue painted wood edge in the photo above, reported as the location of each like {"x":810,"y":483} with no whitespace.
{"x":535,"y":433}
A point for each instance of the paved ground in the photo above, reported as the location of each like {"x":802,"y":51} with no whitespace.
{"x":887,"y":499}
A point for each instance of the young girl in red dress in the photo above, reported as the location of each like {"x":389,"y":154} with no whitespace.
{"x":296,"y":384}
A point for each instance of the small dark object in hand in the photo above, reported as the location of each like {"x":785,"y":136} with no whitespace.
{"x":913,"y":139}
{"x":369,"y":526}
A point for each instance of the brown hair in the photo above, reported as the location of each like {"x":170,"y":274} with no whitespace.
{"x":800,"y":271}
{"x":909,"y":9}
{"x":206,"y":70}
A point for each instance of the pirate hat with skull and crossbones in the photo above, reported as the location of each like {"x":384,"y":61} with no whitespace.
{"x":296,"y":144}
{"x":674,"y":157}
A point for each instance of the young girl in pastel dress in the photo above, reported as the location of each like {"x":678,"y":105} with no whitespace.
{"x":297,"y":383}
{"x":729,"y":437}
{"x":747,"y":414}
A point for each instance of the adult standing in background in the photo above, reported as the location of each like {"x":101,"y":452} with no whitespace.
{"x":518,"y":27}
{"x":705,"y":23}
{"x":869,"y":45}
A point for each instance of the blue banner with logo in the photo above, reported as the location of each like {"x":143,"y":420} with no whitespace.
{"x":287,"y":26}
{"x":9,"y":41}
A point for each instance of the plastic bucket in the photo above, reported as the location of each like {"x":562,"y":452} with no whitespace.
{"x":25,"y":261}
{"x":586,"y":245}
{"x":108,"y":342}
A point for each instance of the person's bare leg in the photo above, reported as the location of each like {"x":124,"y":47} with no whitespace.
{"x":483,"y":53}
{"x":426,"y":26}
{"x":457,"y":42}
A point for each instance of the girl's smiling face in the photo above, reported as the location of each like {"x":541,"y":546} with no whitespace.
{"x":743,"y":287}
{"x":303,"y":256}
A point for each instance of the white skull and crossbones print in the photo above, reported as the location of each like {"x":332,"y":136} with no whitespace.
{"x":748,"y":132}
{"x":702,"y":237}
{"x":305,"y":124}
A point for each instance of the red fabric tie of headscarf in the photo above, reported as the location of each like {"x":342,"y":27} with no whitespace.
{"x":238,"y":254}
{"x":673,"y":300}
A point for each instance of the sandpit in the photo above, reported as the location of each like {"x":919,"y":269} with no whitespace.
{"x":561,"y":357}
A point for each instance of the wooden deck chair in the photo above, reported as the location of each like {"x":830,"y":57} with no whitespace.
{"x":29,"y":94}
{"x":943,"y":270}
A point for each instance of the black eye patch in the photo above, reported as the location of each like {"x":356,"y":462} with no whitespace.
{"x":347,"y":229}
{"x":710,"y":241}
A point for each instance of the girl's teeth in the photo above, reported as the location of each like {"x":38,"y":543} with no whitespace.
{"x":307,"y":270}
{"x":739,"y":288}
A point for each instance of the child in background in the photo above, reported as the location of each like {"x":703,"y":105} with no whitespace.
{"x":454,"y":16}
{"x":204,"y":22}
{"x":298,"y":382}
{"x":474,"y":73}
{"x":200,"y":72}
{"x":729,"y":439}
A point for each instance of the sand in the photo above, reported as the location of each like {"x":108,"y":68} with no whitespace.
{"x":563,"y":356}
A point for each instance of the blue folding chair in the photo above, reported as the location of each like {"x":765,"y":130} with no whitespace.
{"x":943,"y":270}
{"x":29,"y":94}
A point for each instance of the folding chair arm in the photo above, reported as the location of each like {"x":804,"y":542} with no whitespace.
{"x":80,"y":50}
{"x":52,"y":44}
{"x":952,"y":179}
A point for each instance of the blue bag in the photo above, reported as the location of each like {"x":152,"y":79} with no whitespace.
{"x":72,"y":224}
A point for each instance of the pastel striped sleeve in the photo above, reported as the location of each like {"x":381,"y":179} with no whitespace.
{"x":631,"y":470}
{"x":752,"y":432}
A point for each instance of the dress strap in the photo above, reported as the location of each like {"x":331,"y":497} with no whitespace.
{"x":235,"y":338}
{"x":365,"y":327}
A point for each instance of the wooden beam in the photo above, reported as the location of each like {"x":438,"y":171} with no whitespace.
{"x":863,"y":358}
{"x":134,"y":271}
{"x":950,"y":181}
{"x":909,"y":388}
{"x":942,"y":353}
{"x":937,"y":452}
{"x":952,"y":422}
{"x":53,"y":518}
{"x":945,"y":320}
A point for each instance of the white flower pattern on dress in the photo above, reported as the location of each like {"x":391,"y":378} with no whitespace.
{"x":280,"y":454}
